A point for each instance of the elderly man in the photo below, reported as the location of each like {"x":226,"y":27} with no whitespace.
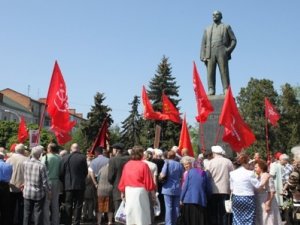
{"x":16,"y":184}
{"x":73,"y":171}
{"x":219,"y":168}
{"x":5,"y":175}
{"x":36,"y":187}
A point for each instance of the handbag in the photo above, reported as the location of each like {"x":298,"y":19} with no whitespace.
{"x":180,"y":218}
{"x":163,"y":180}
{"x":228,"y":205}
{"x":156,"y":207}
{"x":120,"y":216}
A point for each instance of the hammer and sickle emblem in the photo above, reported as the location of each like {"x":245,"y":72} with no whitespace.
{"x":61,"y":100}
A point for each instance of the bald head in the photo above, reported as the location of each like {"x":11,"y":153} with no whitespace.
{"x":75,"y":147}
{"x":217,"y":16}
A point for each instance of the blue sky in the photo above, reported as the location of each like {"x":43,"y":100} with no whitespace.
{"x":114,"y":47}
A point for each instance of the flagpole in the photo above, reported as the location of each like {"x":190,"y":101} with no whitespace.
{"x":202,"y":138}
{"x":98,"y":135}
{"x":218,"y":135}
{"x":267,"y":142}
{"x":41,"y":123}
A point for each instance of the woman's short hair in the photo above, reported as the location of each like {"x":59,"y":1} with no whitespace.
{"x":262,"y":165}
{"x":137,"y":153}
{"x":243,"y":158}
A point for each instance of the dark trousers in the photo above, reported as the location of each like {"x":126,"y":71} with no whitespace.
{"x":4,"y":200}
{"x":73,"y":198}
{"x":16,"y":208}
{"x":216,"y":209}
{"x":35,"y":208}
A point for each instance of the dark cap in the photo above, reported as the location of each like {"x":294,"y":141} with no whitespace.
{"x":118,"y":146}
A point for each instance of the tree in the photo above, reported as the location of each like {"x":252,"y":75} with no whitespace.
{"x":9,"y":134}
{"x":252,"y":109}
{"x":7,"y":130}
{"x":95,"y":118}
{"x":163,"y":81}
{"x":289,"y":123}
{"x":195,"y":138}
{"x":114,"y":134}
{"x":131,"y":126}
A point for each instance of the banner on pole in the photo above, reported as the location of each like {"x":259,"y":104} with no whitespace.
{"x":33,"y":138}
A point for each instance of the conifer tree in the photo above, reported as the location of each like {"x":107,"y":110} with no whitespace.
{"x":163,"y":81}
{"x":95,"y":118}
{"x":131,"y":126}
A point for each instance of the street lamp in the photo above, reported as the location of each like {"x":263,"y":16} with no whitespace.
{"x":14,"y":113}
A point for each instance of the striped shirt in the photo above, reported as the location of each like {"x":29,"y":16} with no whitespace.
{"x":35,"y":180}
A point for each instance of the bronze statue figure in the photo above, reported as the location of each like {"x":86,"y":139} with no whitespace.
{"x":218,"y":42}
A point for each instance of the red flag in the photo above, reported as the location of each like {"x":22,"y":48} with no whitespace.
{"x":169,"y":110}
{"x":22,"y":131}
{"x":58,"y":107}
{"x":203,"y":104}
{"x":101,"y":137}
{"x":236,"y":131}
{"x":149,"y":113}
{"x":271,"y":113}
{"x":62,"y":136}
{"x":185,"y":140}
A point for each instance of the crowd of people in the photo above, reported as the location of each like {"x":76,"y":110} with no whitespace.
{"x":52,"y":186}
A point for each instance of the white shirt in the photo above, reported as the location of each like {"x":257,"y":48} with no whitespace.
{"x":243,"y":182}
{"x":152,"y":167}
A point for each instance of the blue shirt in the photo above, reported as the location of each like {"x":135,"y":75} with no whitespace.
{"x":98,"y":163}
{"x":174,"y":175}
{"x":5,"y":171}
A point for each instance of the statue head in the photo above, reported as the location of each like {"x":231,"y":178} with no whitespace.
{"x":217,"y":16}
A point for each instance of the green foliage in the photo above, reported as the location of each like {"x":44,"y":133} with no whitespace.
{"x":95,"y":118}
{"x":8,"y":129}
{"x":163,"y":81}
{"x":251,"y":106}
{"x":114,"y":134}
{"x":79,"y":138}
{"x":195,"y":138}
{"x":289,"y":123}
{"x":131,"y":126}
{"x":9,"y":134}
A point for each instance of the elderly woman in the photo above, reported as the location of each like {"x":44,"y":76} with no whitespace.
{"x":243,"y":184}
{"x":195,"y":190}
{"x":171,"y":188}
{"x":135,"y":184}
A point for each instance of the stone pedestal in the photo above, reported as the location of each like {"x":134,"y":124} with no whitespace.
{"x":211,"y":126}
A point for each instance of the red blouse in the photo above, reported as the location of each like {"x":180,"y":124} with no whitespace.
{"x":136,"y":173}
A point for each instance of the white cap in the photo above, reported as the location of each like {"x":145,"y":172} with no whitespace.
{"x":217,"y":149}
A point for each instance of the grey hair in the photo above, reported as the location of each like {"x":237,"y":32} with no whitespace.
{"x":187,"y":159}
{"x":296,"y":152}
{"x":20,"y":148}
{"x":37,"y":151}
